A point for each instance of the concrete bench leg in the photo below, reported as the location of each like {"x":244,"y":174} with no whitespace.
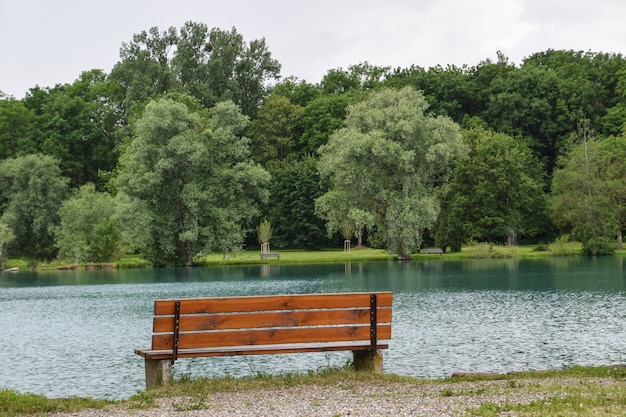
{"x":158,"y":372}
{"x":365,"y":360}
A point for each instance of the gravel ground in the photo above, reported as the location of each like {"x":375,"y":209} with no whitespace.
{"x":363,"y":400}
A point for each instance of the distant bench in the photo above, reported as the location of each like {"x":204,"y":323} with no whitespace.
{"x":258,"y":325}
{"x":432,"y":251}
{"x":270,"y":255}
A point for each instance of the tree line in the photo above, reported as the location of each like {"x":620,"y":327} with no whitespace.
{"x":194,"y":138}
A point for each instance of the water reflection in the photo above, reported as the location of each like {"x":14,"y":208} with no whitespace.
{"x":479,"y":315}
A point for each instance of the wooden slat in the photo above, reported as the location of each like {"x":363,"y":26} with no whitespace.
{"x":272,"y":319}
{"x":196,"y":340}
{"x":265,"y":303}
{"x":257,"y":350}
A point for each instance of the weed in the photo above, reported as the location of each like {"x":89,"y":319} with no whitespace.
{"x":447,"y":392}
{"x":191,"y":406}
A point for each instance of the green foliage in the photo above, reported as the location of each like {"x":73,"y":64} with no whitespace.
{"x":300,"y":93}
{"x":321,"y":118}
{"x":17,"y":125}
{"x":213,"y":66}
{"x":88,"y":231}
{"x":32,"y":191}
{"x":599,"y":245}
{"x":88,"y":124}
{"x":77,"y":125}
{"x":276,"y":129}
{"x":363,"y":76}
{"x":6,"y":236}
{"x":486,"y":250}
{"x":530,"y":103}
{"x":346,"y":230}
{"x":187,"y":182}
{"x":294,"y":187}
{"x":386,"y":162}
{"x":264,"y":231}
{"x":450,"y":91}
{"x":496,"y":193}
{"x":586,"y":196}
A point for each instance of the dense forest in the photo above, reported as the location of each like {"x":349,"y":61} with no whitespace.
{"x":195,"y":138}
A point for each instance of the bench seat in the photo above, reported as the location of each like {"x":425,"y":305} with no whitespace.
{"x":262,"y":325}
{"x":432,"y":251}
{"x":257,"y":350}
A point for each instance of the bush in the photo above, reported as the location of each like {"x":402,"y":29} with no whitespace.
{"x":560,"y":246}
{"x":599,"y":246}
{"x":490,"y":250}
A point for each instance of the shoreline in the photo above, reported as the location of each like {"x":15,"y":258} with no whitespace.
{"x":294,"y":256}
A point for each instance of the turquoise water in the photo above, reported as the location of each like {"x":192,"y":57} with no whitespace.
{"x":72,"y":333}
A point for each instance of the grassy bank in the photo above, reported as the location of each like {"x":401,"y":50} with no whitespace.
{"x":294,"y":256}
{"x":580,"y":391}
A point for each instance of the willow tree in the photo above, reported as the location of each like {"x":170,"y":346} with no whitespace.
{"x":191,"y":184}
{"x":387,"y":163}
{"x":31,"y":193}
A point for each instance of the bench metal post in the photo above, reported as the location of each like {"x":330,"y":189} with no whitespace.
{"x":176,"y":331}
{"x":373,"y":322}
{"x":372,"y":359}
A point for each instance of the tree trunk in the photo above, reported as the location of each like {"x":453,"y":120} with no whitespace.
{"x":620,"y":239}
{"x":511,"y":237}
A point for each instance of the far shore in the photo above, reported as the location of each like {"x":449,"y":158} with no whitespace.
{"x":295,"y":256}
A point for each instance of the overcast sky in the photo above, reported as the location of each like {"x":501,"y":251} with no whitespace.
{"x":46,"y":42}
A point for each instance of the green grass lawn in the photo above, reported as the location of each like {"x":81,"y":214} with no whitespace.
{"x":357,"y":254}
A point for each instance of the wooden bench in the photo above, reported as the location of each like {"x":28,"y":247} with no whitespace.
{"x":258,"y":325}
{"x":270,"y":255}
{"x":432,"y":251}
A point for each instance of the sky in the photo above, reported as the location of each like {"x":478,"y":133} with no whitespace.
{"x":45,"y":42}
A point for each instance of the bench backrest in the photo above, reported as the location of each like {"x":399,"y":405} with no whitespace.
{"x":198,"y":323}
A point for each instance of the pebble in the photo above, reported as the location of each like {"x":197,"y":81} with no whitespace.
{"x":353,"y":400}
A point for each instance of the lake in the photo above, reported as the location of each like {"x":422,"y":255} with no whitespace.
{"x":72,"y":333}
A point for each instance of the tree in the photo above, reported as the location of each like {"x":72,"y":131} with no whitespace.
{"x":530,"y":103}
{"x":449,"y":91}
{"x":212,"y":66}
{"x":88,"y":231}
{"x":191,"y":176}
{"x":6,"y":236}
{"x":615,"y":180}
{"x":144,"y":70}
{"x":32,"y":191}
{"x":337,"y":210}
{"x":387,"y":162}
{"x":496,"y":193}
{"x":77,"y":124}
{"x":298,"y":92}
{"x":264,"y":232}
{"x":17,"y":126}
{"x":581,"y":203}
{"x":362,"y":76}
{"x":322,"y":116}
{"x":294,"y":187}
{"x":275,"y":130}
